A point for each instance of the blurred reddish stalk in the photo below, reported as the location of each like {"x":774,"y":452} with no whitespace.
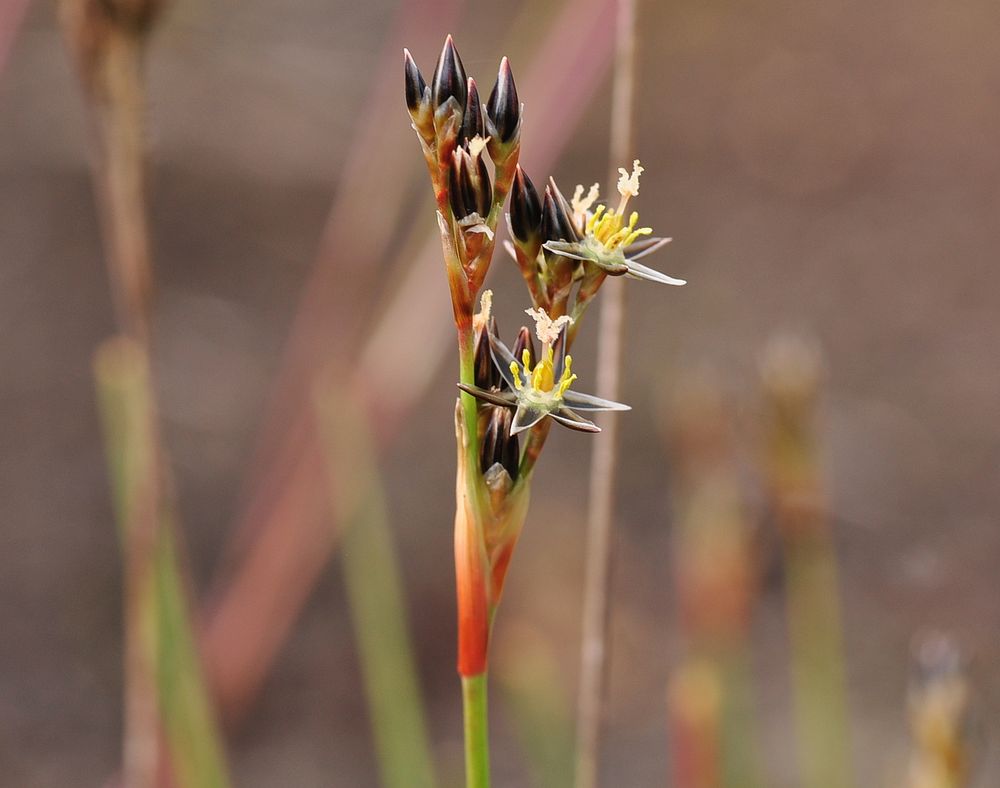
{"x":791,"y":373}
{"x":285,"y":534}
{"x":709,"y":700}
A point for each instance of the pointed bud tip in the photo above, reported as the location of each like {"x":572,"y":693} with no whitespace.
{"x":449,"y":75}
{"x":415,"y":85}
{"x":503,"y":106}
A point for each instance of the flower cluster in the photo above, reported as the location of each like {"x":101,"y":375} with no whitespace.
{"x":565,"y":250}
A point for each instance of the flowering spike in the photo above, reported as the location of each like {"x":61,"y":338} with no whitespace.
{"x":503,"y":106}
{"x":449,"y":76}
{"x":525,"y":207}
{"x":472,"y":123}
{"x":415,"y":84}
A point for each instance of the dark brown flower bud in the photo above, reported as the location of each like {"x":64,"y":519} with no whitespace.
{"x":567,"y":224}
{"x":499,"y":446}
{"x":415,"y":84}
{"x":556,"y":223}
{"x":449,"y":76}
{"x":503,"y":106}
{"x":525,"y":207}
{"x":486,"y":375}
{"x":459,"y":189}
{"x":524,"y":342}
{"x":483,"y":188}
{"x":472,"y":123}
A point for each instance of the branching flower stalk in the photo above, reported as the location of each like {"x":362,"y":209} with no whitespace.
{"x":565,"y":250}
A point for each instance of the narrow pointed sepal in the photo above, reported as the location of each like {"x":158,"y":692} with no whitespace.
{"x":503,"y":358}
{"x":639,"y":271}
{"x":588,"y":402}
{"x":574,"y":421}
{"x":504,"y":399}
{"x":645,"y":246}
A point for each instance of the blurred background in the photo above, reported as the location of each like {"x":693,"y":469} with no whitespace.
{"x":826,"y":169}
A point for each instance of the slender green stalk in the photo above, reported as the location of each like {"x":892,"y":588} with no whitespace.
{"x":477,"y":739}
{"x":375,"y":596}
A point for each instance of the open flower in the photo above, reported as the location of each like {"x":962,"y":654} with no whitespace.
{"x":607,"y":240}
{"x":541,"y":388}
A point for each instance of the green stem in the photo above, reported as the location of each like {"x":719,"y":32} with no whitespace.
{"x":477,"y":742}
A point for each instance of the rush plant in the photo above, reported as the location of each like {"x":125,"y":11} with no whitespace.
{"x":510,"y":396}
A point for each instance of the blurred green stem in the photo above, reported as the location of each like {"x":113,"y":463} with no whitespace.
{"x":163,"y":677}
{"x":477,"y":744}
{"x":375,"y":594}
{"x":817,"y":664}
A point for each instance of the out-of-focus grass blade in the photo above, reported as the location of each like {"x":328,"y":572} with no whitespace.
{"x":530,"y":679}
{"x":164,"y":687}
{"x":126,"y":407}
{"x":375,"y":594}
{"x":286,"y":514}
{"x":791,"y":373}
{"x":196,"y":748}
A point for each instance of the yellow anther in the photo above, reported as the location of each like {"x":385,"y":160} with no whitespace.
{"x":517,"y":375}
{"x":567,"y":377}
{"x":526,"y":360}
{"x":594,"y":218}
{"x":635,"y":234}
